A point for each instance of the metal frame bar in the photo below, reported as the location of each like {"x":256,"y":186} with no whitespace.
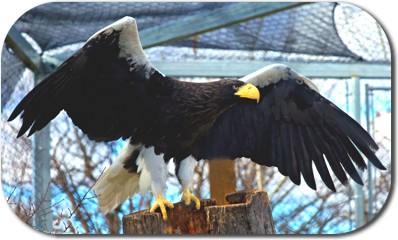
{"x":359,"y":206}
{"x":201,"y":23}
{"x":236,"y":69}
{"x":242,"y":68}
{"x":23,"y":49}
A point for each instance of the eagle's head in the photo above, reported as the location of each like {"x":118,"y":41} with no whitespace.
{"x":247,"y":90}
{"x":234,"y":89}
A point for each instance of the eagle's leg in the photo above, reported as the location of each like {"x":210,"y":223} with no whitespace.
{"x":185,"y":170}
{"x":157,"y":176}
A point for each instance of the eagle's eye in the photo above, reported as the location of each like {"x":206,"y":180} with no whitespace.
{"x":235,"y":87}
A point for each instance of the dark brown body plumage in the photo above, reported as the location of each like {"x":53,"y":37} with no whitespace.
{"x":178,"y":113}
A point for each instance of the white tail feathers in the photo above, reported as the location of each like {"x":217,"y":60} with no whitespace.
{"x":136,"y":169}
{"x":114,"y":187}
{"x":117,"y":183}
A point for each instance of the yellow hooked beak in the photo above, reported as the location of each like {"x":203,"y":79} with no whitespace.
{"x":248,"y":91}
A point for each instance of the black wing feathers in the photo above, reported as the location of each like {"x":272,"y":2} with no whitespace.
{"x":362,"y":140}
{"x":317,"y":157}
{"x":294,"y":128}
{"x":303,"y":151}
{"x":99,"y":90}
{"x":44,"y":102}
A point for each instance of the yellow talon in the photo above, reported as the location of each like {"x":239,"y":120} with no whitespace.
{"x":161,"y":203}
{"x":187,"y":197}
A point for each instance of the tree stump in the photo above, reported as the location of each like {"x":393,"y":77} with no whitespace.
{"x":248,"y":212}
{"x":143,"y":222}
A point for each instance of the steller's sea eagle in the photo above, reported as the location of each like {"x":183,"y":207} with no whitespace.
{"x":275,"y":117}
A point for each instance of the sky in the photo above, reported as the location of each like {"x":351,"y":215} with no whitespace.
{"x":11,"y":226}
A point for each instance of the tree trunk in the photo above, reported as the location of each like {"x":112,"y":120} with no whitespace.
{"x":222,"y":179}
{"x":248,"y":213}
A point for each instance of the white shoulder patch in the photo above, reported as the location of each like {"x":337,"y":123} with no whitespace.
{"x":116,"y":26}
{"x":273,"y":74}
{"x":129,"y":42}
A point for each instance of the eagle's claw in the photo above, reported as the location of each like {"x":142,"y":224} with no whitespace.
{"x":162,"y":204}
{"x":187,"y":197}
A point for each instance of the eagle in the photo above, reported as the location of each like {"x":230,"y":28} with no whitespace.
{"x":274,"y":116}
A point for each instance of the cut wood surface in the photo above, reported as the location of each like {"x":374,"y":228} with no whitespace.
{"x":248,"y":212}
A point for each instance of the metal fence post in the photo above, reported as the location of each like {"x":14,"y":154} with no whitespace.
{"x":359,"y":208}
{"x":368,"y":91}
{"x":42,"y":219}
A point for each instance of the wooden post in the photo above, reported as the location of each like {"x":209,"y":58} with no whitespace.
{"x":222,"y":179}
{"x":248,"y":212}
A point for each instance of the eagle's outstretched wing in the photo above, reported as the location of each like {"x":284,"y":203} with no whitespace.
{"x":99,"y":86}
{"x":291,"y":127}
